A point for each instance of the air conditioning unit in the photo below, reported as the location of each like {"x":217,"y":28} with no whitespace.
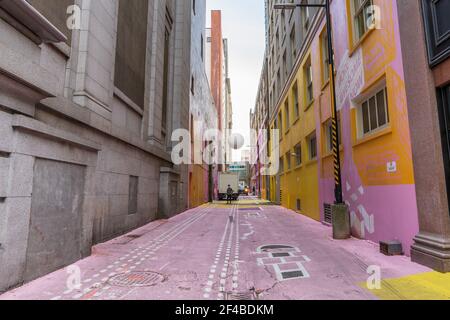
{"x":391,"y":248}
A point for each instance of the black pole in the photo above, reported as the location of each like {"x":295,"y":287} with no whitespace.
{"x":335,"y":132}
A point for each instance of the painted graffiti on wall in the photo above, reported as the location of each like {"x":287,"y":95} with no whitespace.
{"x":349,"y":78}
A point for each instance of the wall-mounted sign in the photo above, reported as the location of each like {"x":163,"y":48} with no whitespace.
{"x":392,"y":167}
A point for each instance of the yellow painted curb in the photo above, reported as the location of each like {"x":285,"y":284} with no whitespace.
{"x":424,"y":286}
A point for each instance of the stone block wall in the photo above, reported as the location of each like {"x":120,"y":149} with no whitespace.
{"x":61,"y":110}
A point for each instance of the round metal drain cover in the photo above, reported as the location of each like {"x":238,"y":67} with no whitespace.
{"x":136,"y":279}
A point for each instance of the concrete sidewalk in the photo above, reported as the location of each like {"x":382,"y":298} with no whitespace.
{"x":249,"y":250}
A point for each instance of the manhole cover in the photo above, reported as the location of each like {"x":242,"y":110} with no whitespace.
{"x":136,"y":279}
{"x":240,"y":296}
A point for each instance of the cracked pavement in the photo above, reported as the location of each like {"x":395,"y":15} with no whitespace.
{"x":218,"y":252}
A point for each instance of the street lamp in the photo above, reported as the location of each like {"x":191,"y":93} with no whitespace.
{"x":335,"y":132}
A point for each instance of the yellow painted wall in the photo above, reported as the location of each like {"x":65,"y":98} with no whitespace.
{"x":379,"y":52}
{"x":197,"y":186}
{"x":264,"y":189}
{"x":300,"y":182}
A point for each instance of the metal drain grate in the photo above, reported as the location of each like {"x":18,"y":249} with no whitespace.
{"x":136,"y":279}
{"x":241,"y":296}
{"x":280,"y":255}
{"x":292,"y":275}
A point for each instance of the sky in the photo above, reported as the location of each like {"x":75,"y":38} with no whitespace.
{"x":243,"y":26}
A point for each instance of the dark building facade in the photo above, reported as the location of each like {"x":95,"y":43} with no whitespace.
{"x":426,"y":54}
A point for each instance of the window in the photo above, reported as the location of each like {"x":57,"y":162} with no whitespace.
{"x":280,"y":124}
{"x":202,"y":49}
{"x":193,"y":85}
{"x":288,"y":160}
{"x":374,"y":113}
{"x":298,"y":154}
{"x":295,"y":99}
{"x":293,"y":43}
{"x":133,"y":195}
{"x":192,"y":132}
{"x":194,"y":6}
{"x":277,"y":39}
{"x":325,"y":58}
{"x":281,"y":165}
{"x":437,"y":28}
{"x":308,"y":82}
{"x":129,"y":75}
{"x":312,"y":146}
{"x":278,"y":84}
{"x":286,"y":115}
{"x":165,"y":85}
{"x":444,"y":117}
{"x":361,"y":10}
{"x":306,"y":16}
{"x":273,"y":60}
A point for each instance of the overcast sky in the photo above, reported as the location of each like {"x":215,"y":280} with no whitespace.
{"x":243,"y":25}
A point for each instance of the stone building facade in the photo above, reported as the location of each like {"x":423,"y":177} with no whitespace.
{"x":217,"y":69}
{"x":203,"y":113}
{"x":85,"y":119}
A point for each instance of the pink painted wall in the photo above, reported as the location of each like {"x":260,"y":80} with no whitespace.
{"x":383,"y":205}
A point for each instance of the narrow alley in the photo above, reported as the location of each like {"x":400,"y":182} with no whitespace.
{"x":247,"y":251}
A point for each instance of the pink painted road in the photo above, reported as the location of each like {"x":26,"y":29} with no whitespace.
{"x":222,"y":252}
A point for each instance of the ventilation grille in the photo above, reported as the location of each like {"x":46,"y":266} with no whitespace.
{"x":328,"y":214}
{"x":241,"y":296}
